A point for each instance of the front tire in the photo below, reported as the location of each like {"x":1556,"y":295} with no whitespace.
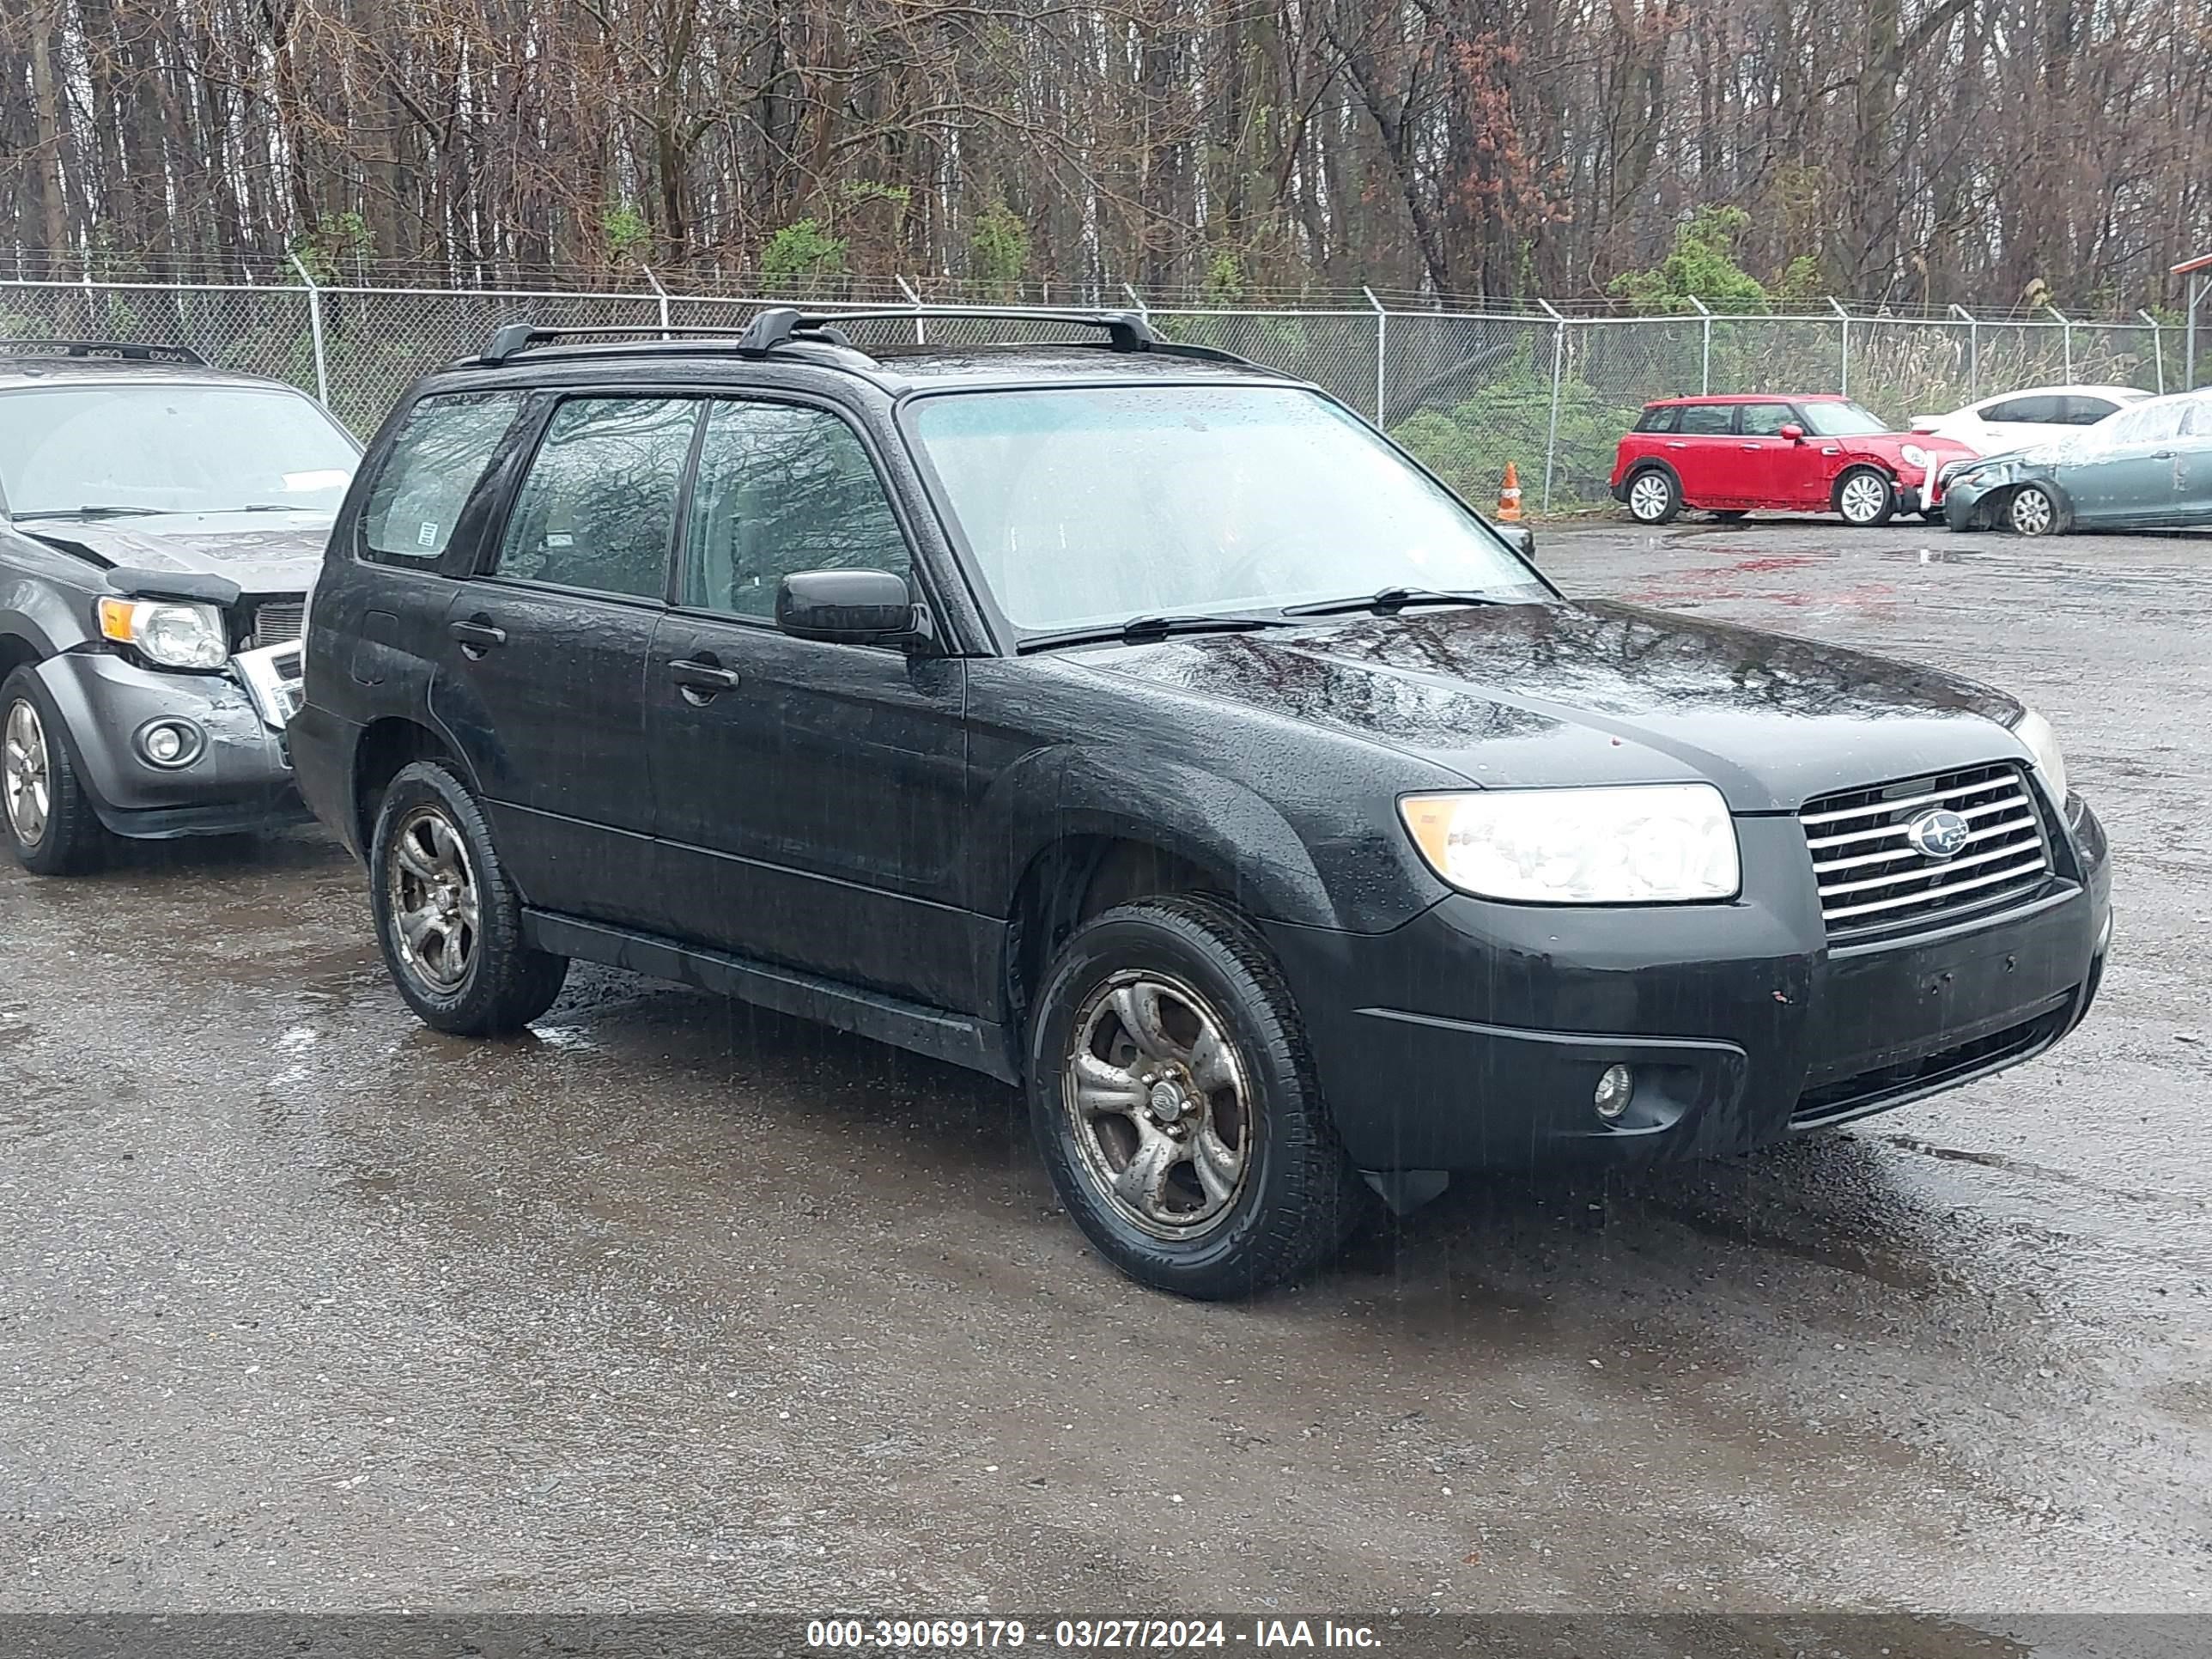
{"x":448,"y":920}
{"x":1654,"y":497}
{"x":1866,"y":497}
{"x":49,"y":819}
{"x":1176,"y":1105}
{"x":2032,"y":512}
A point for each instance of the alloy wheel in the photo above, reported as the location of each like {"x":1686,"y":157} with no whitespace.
{"x":1862,"y":498}
{"x":2031,"y":513}
{"x":432,"y":894}
{"x":1648,"y":497}
{"x":25,"y":773}
{"x":1160,"y":1105}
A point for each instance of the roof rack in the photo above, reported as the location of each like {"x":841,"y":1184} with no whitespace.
{"x":1126,"y":330}
{"x":131,"y":351}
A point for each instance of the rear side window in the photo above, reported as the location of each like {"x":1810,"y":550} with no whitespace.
{"x":1660,"y":419}
{"x":432,"y":468}
{"x":1707,"y":420}
{"x":598,"y":509}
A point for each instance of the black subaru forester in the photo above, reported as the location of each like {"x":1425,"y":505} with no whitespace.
{"x":1129,"y":721}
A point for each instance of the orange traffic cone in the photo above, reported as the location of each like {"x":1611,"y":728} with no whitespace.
{"x":1509,"y":498}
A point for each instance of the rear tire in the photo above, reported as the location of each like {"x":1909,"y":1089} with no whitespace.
{"x":1654,"y":497}
{"x":49,"y":820}
{"x":448,"y":920}
{"x":1176,"y":1105}
{"x":1866,"y":497}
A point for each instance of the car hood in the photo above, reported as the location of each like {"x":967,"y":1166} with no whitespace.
{"x":1890,"y":445}
{"x":262,"y":552}
{"x":1564,"y":693}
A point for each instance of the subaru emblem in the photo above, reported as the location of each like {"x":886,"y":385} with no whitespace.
{"x":1938,"y":833}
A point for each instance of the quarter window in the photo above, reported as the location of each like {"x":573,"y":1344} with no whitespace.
{"x":1660,"y":419}
{"x":1707,"y":420}
{"x":598,"y":509}
{"x":440,"y":452}
{"x":2087,"y":412}
{"x":783,"y":489}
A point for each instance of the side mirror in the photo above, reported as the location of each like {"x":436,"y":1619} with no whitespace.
{"x":848,"y":607}
{"x":1795,"y":433}
{"x":1520,"y":538}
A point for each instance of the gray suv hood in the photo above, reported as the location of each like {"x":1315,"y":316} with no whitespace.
{"x":262,"y":552}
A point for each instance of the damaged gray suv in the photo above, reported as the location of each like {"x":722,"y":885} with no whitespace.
{"x":161,"y":521}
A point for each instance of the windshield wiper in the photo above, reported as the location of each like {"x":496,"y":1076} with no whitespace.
{"x":1389,"y":601}
{"x":1139,"y":630}
{"x":90,"y":512}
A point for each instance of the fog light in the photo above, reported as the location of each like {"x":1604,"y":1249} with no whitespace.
{"x":1614,"y":1090}
{"x":170,"y":744}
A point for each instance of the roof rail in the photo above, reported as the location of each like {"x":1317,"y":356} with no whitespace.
{"x":132,"y":350}
{"x":1126,"y":330}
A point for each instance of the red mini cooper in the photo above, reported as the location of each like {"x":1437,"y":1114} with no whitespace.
{"x":1791,"y":454}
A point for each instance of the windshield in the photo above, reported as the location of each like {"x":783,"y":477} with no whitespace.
{"x":169,"y":448}
{"x":1090,"y":506}
{"x":1842,"y":421}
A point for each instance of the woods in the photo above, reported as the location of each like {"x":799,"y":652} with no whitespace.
{"x":1898,"y":151}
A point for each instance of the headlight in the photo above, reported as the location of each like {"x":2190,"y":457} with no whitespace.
{"x":2031,"y":729}
{"x":171,"y":632}
{"x":1640,"y":844}
{"x":1914,"y":455}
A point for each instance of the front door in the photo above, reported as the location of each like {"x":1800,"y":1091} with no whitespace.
{"x":1775,"y":470}
{"x":545,"y":653}
{"x":2193,"y":462}
{"x":810,"y":798}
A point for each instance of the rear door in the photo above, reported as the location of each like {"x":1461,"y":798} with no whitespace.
{"x":811,"y":798}
{"x":546,"y":648}
{"x":1703,"y":453}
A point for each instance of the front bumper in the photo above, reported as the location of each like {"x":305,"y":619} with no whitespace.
{"x":1474,"y":1036}
{"x":241,"y":779}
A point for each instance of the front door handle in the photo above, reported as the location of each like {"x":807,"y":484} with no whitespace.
{"x":477,"y":635}
{"x":701,"y":678}
{"x":1754,"y":448}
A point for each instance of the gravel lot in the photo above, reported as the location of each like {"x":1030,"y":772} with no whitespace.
{"x":675,"y":1305}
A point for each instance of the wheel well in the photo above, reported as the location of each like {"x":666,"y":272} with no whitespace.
{"x":386,"y":747}
{"x":15,"y":652}
{"x":1071,"y":881}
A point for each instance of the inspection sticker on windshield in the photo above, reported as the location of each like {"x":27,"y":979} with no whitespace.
{"x":428,"y":535}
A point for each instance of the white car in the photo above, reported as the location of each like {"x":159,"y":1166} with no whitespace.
{"x":2018,"y":420}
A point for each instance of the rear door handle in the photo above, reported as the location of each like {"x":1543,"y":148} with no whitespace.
{"x":704,"y":677}
{"x":1678,"y":446}
{"x":477,"y":634}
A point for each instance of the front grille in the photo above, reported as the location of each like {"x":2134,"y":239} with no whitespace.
{"x":1890,"y":1086}
{"x":279,"y":622}
{"x":1870,"y":877}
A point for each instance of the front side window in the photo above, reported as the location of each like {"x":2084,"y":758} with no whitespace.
{"x":1085,"y":506}
{"x":2153,"y":424}
{"x":159,"y":446}
{"x":1840,"y":420}
{"x":783,"y":489}
{"x":436,"y":458}
{"x":1767,"y":420}
{"x":598,"y":509}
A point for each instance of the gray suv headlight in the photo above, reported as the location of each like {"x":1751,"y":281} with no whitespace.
{"x":175,"y":632}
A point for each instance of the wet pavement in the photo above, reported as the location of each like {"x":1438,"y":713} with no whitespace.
{"x":673,"y":1304}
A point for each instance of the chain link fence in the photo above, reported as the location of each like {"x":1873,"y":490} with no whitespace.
{"x":1468,"y":392}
